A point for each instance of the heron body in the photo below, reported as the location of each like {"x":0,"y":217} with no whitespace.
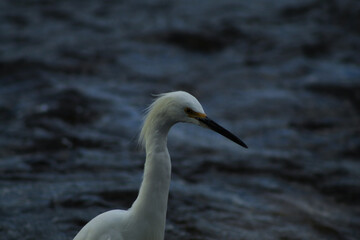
{"x":146,"y":218}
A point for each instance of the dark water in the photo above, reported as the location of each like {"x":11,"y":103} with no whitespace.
{"x":75,"y":77}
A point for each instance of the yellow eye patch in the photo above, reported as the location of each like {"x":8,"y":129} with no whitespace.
{"x":193,"y":114}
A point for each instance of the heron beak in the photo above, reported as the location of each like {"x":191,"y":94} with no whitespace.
{"x":219,"y":129}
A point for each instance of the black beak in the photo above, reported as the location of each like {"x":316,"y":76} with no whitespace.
{"x":219,"y":129}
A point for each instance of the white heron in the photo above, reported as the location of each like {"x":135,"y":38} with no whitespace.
{"x":146,"y":218}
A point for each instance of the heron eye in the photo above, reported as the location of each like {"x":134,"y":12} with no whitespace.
{"x":188,"y":110}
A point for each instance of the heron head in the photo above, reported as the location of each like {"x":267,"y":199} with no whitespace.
{"x":183,"y":107}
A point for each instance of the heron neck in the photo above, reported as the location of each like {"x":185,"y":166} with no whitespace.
{"x":151,"y":204}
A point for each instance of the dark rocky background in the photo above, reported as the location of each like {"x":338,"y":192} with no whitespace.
{"x":284,"y":75}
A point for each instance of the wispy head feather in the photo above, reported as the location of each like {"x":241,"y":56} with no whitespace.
{"x":147,"y":118}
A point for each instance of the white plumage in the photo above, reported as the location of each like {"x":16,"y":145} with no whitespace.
{"x":146,"y":218}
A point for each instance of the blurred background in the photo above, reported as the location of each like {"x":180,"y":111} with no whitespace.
{"x":75,"y":77}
